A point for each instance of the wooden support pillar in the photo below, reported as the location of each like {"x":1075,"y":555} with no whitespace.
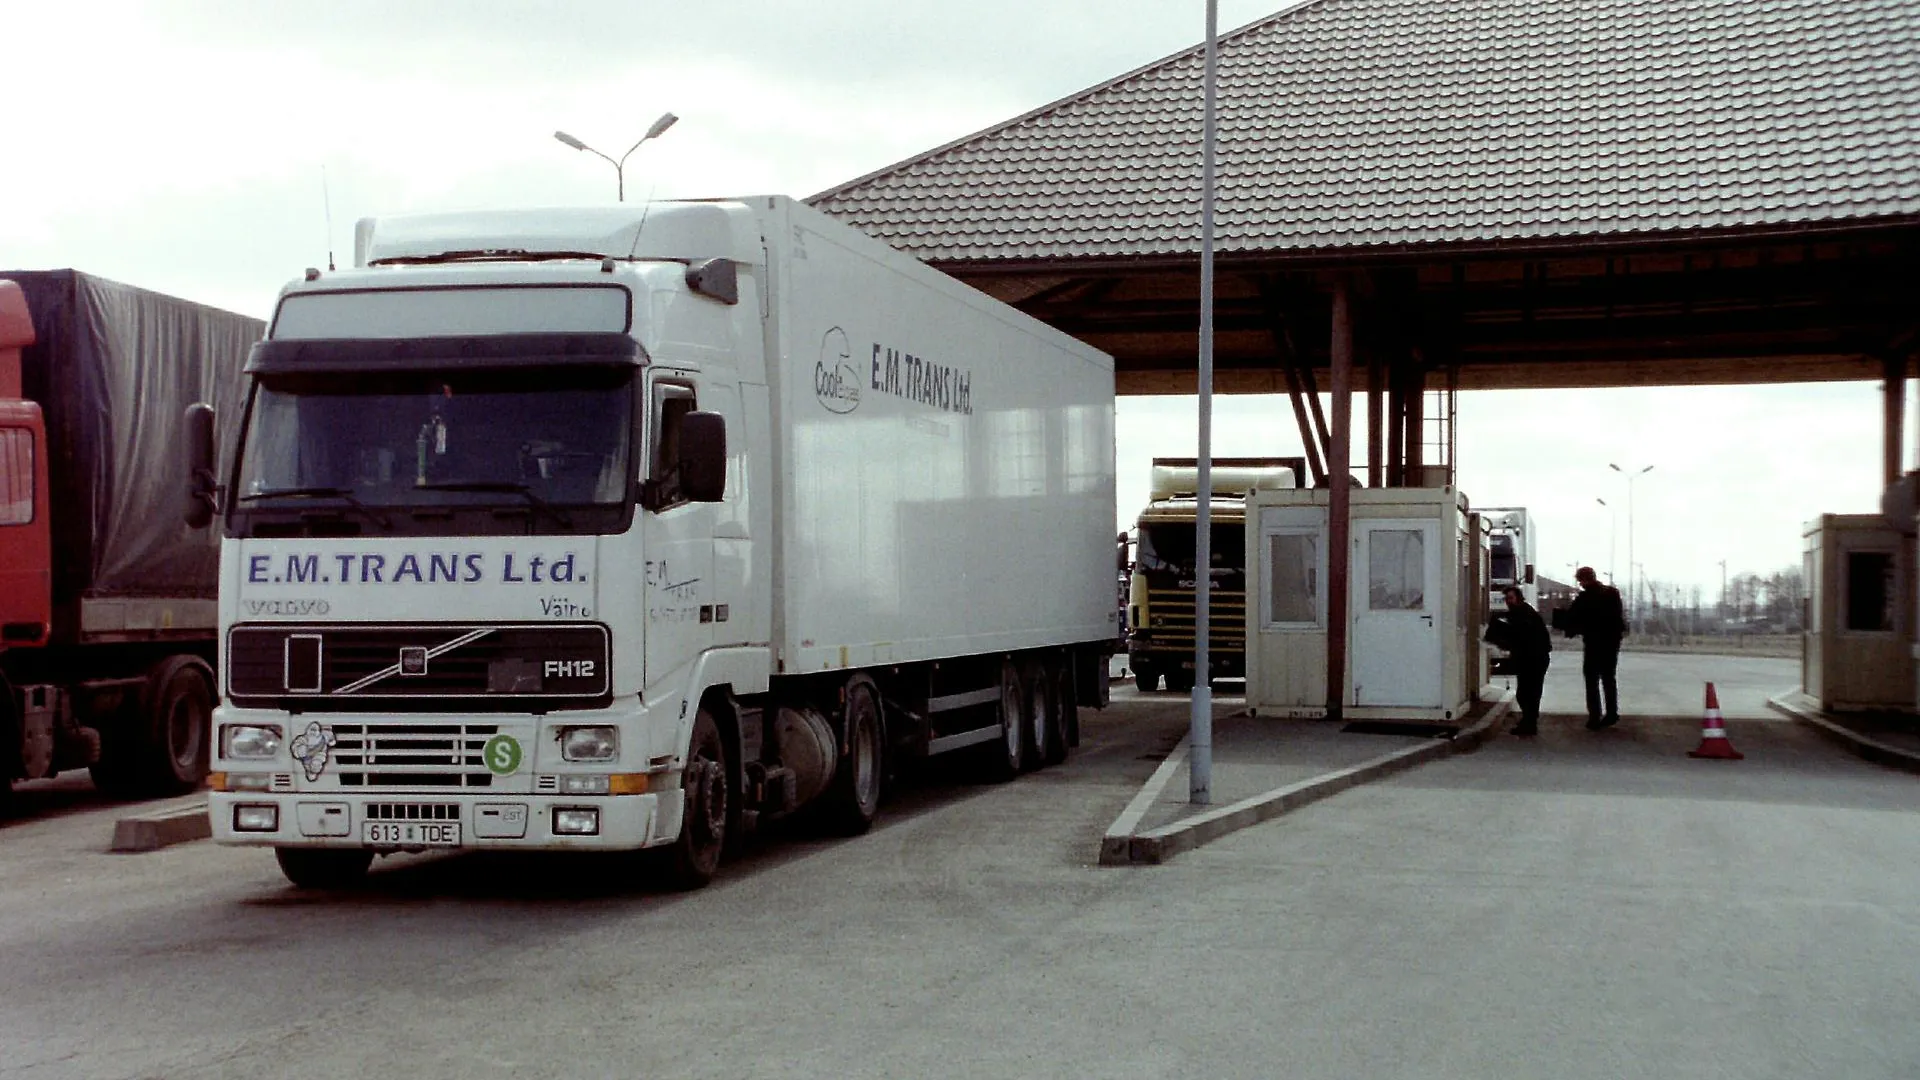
{"x":1396,"y":423}
{"x":1312,"y":387}
{"x":1416,"y":423}
{"x":1315,"y":463}
{"x":1895,"y":392}
{"x":1376,"y":437}
{"x":1340,"y":502}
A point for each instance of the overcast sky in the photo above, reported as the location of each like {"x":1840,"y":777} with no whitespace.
{"x":180,"y":146}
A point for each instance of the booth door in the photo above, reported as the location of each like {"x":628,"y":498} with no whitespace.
{"x":1396,"y":622}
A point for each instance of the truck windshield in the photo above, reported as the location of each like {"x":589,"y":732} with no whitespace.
{"x":1169,"y":547}
{"x":478,"y":451}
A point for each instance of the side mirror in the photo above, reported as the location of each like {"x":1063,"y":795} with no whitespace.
{"x":202,"y":489}
{"x":703,"y":456}
{"x":1530,"y":574}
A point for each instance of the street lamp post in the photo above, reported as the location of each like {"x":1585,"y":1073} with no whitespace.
{"x":1633,"y":591}
{"x":1613,"y":537}
{"x":659,"y":128}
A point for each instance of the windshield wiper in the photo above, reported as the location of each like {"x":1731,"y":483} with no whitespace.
{"x":507,"y":487}
{"x":322,"y":493}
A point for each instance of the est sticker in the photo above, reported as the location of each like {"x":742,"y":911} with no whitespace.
{"x":503,"y":755}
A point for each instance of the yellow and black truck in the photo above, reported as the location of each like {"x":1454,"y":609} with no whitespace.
{"x":1160,"y":599}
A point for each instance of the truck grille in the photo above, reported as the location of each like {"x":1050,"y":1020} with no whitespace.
{"x":412,"y":755}
{"x":345,"y":663}
{"x":1172,"y":619}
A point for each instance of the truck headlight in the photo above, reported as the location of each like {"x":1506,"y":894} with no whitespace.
{"x":589,"y":743}
{"x":249,"y":740}
{"x":256,"y":817}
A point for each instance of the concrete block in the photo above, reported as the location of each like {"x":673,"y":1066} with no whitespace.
{"x":156,"y":829}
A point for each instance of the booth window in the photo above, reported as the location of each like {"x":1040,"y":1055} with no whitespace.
{"x":1870,"y":592}
{"x":16,"y":476}
{"x":1293,"y":578}
{"x":1396,"y":570}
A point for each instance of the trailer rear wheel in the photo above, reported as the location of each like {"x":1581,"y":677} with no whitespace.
{"x":324,"y":868}
{"x":1007,"y":755}
{"x":1043,"y":714}
{"x":690,"y":861}
{"x":1145,"y":679}
{"x":1179,"y":680}
{"x":1066,"y":711}
{"x":852,"y":802}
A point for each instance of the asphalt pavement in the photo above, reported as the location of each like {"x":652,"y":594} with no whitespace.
{"x":1584,"y":905}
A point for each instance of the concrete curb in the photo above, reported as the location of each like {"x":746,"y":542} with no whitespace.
{"x":1871,"y":749}
{"x":1121,"y":847}
{"x":1114,"y":846}
{"x":156,"y":829}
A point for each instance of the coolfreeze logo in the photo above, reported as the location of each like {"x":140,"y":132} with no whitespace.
{"x":835,"y":382}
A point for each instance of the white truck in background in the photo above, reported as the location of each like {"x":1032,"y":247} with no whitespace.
{"x":622,"y":528}
{"x":1511,"y":555}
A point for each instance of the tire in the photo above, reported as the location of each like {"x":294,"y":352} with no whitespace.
{"x":690,"y":861}
{"x":1180,"y":680}
{"x":173,"y":730}
{"x":852,"y":800}
{"x":1066,"y":710}
{"x":324,"y":868}
{"x":1145,"y":679}
{"x":1007,"y":755}
{"x":1043,"y":714}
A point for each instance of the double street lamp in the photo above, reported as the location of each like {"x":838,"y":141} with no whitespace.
{"x":1633,"y":592}
{"x":659,"y":128}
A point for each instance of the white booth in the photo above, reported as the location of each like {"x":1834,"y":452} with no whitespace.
{"x":1418,"y":581}
{"x":1858,"y":638}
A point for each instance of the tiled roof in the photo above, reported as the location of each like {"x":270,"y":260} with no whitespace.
{"x":1349,"y":123}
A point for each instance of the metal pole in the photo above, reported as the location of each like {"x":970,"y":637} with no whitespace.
{"x":1339,"y":500}
{"x":1200,"y":726}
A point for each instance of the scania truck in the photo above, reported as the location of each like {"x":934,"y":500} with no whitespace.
{"x":1160,"y":603}
{"x":107,"y":612}
{"x":629,"y":528}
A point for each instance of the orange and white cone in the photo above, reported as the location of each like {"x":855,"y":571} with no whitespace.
{"x":1713,"y":734}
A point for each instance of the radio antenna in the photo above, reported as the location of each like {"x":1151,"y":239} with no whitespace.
{"x":326,"y":199}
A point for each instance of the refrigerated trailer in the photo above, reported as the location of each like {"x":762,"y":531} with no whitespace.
{"x":107,"y":599}
{"x":627,"y":528}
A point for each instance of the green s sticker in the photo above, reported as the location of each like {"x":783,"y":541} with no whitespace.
{"x":503,"y":755}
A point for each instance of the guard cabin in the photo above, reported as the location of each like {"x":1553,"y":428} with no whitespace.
{"x":1858,"y":640}
{"x":1415,"y":612}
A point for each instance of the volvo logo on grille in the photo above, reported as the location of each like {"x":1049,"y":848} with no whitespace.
{"x":413,"y":660}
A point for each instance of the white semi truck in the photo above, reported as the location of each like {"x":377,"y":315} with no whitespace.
{"x":624,"y":528}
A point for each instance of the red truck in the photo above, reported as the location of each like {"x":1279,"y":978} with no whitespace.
{"x":107,"y":598}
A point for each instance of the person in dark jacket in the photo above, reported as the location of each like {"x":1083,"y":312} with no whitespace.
{"x":1597,"y":617}
{"x":1529,"y":650}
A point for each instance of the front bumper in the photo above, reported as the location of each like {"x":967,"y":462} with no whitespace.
{"x":513,"y":822}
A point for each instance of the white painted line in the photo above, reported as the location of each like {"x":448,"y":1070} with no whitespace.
{"x":1113,"y":847}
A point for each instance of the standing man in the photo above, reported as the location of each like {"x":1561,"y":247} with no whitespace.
{"x":1529,"y":649}
{"x":1597,"y":617}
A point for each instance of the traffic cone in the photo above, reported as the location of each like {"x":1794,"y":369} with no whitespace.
{"x":1713,"y":736}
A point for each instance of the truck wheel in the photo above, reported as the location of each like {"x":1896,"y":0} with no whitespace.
{"x":324,"y":868}
{"x":689,"y":862}
{"x":1043,"y":715}
{"x":1066,"y":712}
{"x":1145,"y":679}
{"x":1180,"y":680}
{"x":1007,"y":755}
{"x":852,"y":801}
{"x":177,"y":716}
